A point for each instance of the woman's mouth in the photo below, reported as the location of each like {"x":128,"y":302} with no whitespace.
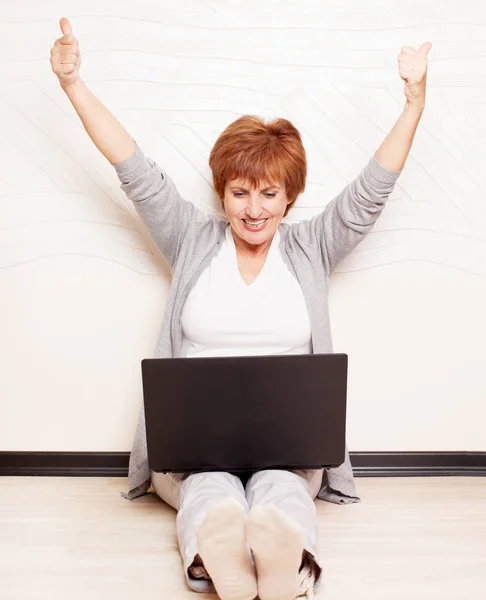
{"x":254,"y":225}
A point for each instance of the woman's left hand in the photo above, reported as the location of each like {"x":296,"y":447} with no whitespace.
{"x":412,"y":65}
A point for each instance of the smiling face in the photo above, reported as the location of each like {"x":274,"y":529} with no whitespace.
{"x":254,"y":213}
{"x":259,"y":169}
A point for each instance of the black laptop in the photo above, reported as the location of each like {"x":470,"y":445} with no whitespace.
{"x":248,"y":413}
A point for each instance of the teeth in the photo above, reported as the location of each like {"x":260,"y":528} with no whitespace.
{"x":254,"y":223}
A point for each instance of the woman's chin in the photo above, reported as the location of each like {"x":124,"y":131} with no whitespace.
{"x":254,"y":237}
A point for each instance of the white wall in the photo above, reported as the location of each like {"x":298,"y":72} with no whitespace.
{"x":82,"y":292}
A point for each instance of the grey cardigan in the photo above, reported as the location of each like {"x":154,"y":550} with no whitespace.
{"x":189,"y":239}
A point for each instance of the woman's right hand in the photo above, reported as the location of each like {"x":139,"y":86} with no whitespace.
{"x":65,"y":56}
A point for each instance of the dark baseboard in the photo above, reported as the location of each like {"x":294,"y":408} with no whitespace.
{"x":418,"y":464}
{"x":64,"y":464}
{"x":365,"y":464}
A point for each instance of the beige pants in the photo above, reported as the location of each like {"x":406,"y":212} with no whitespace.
{"x":193,"y":496}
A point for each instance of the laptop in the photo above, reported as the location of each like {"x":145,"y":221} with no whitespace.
{"x":245,"y":413}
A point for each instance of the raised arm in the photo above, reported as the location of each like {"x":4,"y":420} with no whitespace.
{"x":108,"y":135}
{"x":165,"y":214}
{"x":412,"y":66}
{"x":351,"y":215}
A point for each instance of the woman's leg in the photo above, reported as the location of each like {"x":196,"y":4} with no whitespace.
{"x":282,"y":531}
{"x":168,"y":487}
{"x":211,"y":520}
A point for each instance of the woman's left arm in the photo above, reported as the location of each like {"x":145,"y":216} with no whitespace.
{"x":412,"y":65}
{"x":351,"y":215}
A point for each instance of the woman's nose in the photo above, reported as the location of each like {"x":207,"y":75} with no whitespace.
{"x":254,"y":208}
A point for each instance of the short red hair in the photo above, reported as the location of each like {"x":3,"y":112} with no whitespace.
{"x":258,"y":152}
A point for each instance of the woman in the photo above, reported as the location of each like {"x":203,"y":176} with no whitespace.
{"x":234,"y":283}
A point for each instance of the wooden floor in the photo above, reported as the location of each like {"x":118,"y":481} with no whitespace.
{"x":77,"y":538}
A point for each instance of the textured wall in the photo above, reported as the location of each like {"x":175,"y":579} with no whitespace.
{"x":82,"y":291}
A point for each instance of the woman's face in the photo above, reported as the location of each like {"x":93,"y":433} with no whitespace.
{"x":255,"y":213}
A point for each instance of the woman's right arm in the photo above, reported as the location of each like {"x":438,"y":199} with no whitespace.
{"x":165,"y":214}
{"x":108,"y":135}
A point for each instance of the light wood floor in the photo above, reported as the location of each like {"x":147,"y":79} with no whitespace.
{"x":77,"y":538}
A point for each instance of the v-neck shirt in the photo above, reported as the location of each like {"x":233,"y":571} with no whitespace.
{"x":224,"y":316}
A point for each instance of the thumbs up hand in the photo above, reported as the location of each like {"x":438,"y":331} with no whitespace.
{"x":65,"y":56}
{"x":412,"y":65}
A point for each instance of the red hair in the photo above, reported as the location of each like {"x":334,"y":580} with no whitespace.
{"x":258,"y":152}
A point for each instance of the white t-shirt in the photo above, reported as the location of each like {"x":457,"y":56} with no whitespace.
{"x":223,"y":316}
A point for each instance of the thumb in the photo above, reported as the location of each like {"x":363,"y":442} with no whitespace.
{"x":65,"y":26}
{"x":425,"y":48}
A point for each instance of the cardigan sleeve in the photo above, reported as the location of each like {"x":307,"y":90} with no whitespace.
{"x":165,"y":214}
{"x":350,"y":216}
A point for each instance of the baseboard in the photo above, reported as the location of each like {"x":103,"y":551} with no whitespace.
{"x":418,"y":464}
{"x":365,"y":464}
{"x":64,"y":464}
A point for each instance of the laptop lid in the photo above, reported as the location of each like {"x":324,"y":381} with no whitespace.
{"x":245,"y":413}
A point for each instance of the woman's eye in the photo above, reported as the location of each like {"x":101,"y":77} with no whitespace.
{"x":241,"y":194}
